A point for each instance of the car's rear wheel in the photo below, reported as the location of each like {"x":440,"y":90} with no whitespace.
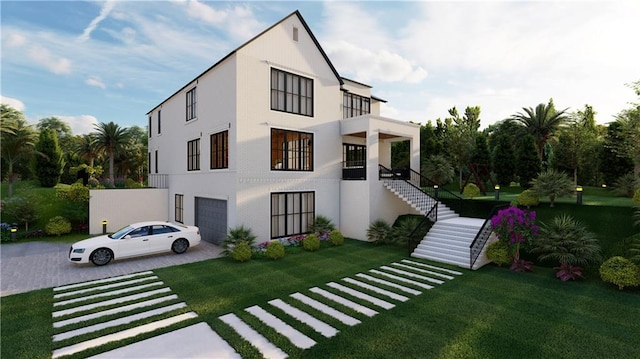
{"x":101,"y":256}
{"x":180,"y":246}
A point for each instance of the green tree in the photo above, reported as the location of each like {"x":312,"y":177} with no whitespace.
{"x":630,"y":123}
{"x":553,"y":184}
{"x":48,"y":167}
{"x":461,"y":137}
{"x":111,"y":139}
{"x":527,"y":161}
{"x":615,"y":163}
{"x":17,"y":144}
{"x":400,"y":155}
{"x":567,"y":241}
{"x":438,"y":169}
{"x":503,"y":160}
{"x":541,"y":122}
{"x":87,"y":148}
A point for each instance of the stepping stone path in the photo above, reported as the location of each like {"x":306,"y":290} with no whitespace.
{"x":91,"y":314}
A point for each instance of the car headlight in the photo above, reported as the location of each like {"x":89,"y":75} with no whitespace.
{"x":78,"y":250}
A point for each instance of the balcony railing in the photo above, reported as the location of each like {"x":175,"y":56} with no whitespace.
{"x":156,"y":180}
{"x":354,"y":170}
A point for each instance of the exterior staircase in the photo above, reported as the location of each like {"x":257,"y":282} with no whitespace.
{"x":449,"y":239}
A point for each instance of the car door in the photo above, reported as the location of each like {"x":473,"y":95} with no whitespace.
{"x":162,"y":236}
{"x":135,"y":243}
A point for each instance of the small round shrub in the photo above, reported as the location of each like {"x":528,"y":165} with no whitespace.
{"x":336,"y":238}
{"x":58,"y":225}
{"x":471,"y":190}
{"x":528,"y":198}
{"x":621,"y":272}
{"x":275,"y":250}
{"x":499,"y":253}
{"x":311,"y":243}
{"x":241,"y":252}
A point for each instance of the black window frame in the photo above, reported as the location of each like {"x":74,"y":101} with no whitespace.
{"x":355,"y":105}
{"x":149,"y":125}
{"x":292,"y":150}
{"x":292,"y":213}
{"x":193,"y":155}
{"x":179,"y":207}
{"x":159,"y":121}
{"x":191,"y":104}
{"x":156,"y":161}
{"x":219,"y":150}
{"x":291,"y":93}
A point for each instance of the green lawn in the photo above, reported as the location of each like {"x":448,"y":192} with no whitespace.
{"x":489,"y":313}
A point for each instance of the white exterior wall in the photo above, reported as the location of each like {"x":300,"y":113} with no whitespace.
{"x":120,"y":207}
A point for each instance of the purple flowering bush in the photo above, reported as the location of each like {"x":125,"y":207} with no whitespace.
{"x":516,"y":227}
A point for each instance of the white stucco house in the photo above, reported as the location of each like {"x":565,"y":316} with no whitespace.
{"x":271,"y":136}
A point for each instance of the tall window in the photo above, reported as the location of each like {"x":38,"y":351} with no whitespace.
{"x":193,"y":155}
{"x":354,"y":105}
{"x":220,"y":150}
{"x":156,"y":161}
{"x":191,"y":104}
{"x":179,"y":208}
{"x":291,"y":93}
{"x":291,"y":150}
{"x":159,"y":121}
{"x":149,"y":126}
{"x":291,"y":213}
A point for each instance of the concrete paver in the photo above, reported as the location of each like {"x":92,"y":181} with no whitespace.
{"x":35,"y":265}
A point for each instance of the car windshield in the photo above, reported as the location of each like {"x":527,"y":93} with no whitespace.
{"x":119,"y":234}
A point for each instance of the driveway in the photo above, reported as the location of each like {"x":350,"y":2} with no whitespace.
{"x":35,"y":265}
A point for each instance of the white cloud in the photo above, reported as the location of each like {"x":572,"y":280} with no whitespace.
{"x":80,"y":125}
{"x":15,"y":103}
{"x":107,"y":7}
{"x":56,"y":64}
{"x":96,"y":82}
{"x":361,"y":45}
{"x":16,"y":40}
{"x":239,"y":21}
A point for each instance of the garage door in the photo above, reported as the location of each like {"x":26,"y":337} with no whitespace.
{"x":211,"y":217}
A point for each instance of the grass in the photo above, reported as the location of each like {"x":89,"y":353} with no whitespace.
{"x":489,"y":313}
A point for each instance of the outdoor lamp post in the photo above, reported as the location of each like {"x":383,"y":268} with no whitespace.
{"x":579,"y":195}
{"x":104,"y":227}
{"x":497,"y":192}
{"x":14,"y":231}
{"x":435,"y":191}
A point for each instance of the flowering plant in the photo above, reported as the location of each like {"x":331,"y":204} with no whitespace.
{"x":515,"y":226}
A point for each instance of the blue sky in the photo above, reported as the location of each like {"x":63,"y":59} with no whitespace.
{"x":101,"y":61}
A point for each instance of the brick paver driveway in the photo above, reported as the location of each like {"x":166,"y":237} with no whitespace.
{"x":35,"y":265}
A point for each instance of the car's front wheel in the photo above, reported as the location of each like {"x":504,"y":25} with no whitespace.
{"x":101,"y":256}
{"x":180,"y":246}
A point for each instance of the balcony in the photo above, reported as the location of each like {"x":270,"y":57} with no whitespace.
{"x":354,"y":170}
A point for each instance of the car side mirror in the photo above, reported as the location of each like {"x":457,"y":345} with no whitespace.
{"x":128,"y":236}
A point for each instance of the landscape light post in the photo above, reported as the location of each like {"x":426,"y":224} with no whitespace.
{"x":579,"y":195}
{"x":435,"y":191}
{"x":104,"y":227}
{"x":497,"y":192}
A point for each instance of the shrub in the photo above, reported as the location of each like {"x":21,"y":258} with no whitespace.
{"x":58,"y":225}
{"x":567,"y":241}
{"x":131,"y":183}
{"x":621,"y":272}
{"x":553,"y":184}
{"x":528,"y":198}
{"x":633,"y":252}
{"x":237,"y":235}
{"x":275,"y":250}
{"x":626,"y":185}
{"x":311,"y":243}
{"x":471,"y":190}
{"x":499,"y":253}
{"x":568,"y":272}
{"x":636,"y":197}
{"x":516,"y":227}
{"x":241,"y":252}
{"x":21,"y":209}
{"x":378,"y":231}
{"x":322,"y":224}
{"x":336,"y":238}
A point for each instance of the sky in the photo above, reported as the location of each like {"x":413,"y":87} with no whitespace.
{"x":102,"y":61}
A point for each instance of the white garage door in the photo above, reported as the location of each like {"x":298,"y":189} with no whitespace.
{"x":211,"y":218}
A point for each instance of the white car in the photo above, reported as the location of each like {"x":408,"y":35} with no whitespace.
{"x":137,"y":239}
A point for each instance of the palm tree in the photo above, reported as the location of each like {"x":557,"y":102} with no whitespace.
{"x":567,"y":241}
{"x":438,"y":169}
{"x":86,"y":148}
{"x":541,"y":122}
{"x":17,"y":144}
{"x":111,"y":138}
{"x":553,"y":184}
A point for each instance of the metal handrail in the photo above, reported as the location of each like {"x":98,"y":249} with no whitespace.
{"x":475,"y":248}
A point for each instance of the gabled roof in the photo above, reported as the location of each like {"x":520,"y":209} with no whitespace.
{"x":304,"y":23}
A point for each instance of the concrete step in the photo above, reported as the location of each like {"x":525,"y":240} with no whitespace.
{"x":454,"y":260}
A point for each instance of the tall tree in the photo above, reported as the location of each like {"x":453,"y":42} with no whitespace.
{"x":86,"y":148}
{"x":111,"y":138}
{"x":615,"y":162}
{"x":503,"y":160}
{"x":541,"y":122}
{"x":527,"y":162}
{"x":630,"y":121}
{"x":48,"y":167}
{"x":17,"y":143}
{"x":462,"y":136}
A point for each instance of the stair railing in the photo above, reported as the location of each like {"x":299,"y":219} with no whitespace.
{"x":483,"y":236}
{"x":429,"y":201}
{"x":441,"y":194}
{"x":421,"y":229}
